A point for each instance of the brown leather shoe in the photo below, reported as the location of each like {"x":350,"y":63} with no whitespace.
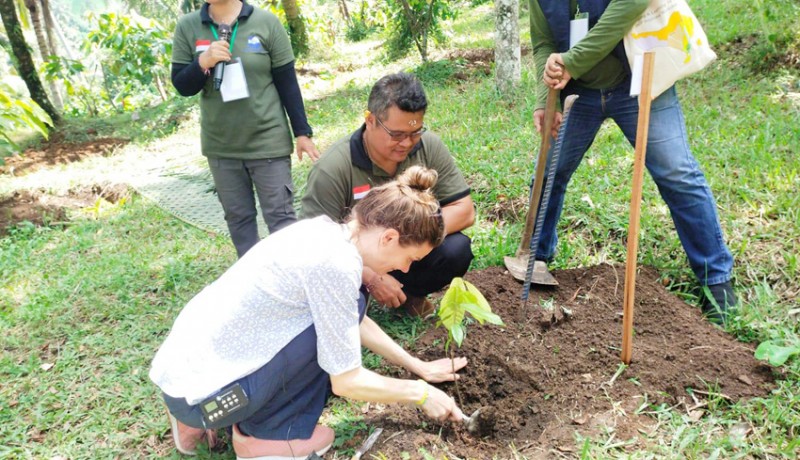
{"x":187,"y":438}
{"x":419,"y":306}
{"x":250,"y":448}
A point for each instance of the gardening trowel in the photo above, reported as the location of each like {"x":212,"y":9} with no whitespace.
{"x":481,"y":423}
{"x":471,"y":421}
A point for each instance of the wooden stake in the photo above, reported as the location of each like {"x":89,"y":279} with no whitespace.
{"x":640,"y":149}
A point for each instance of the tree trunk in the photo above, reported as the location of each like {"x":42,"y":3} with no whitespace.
{"x":345,"y":12}
{"x":506,"y":48}
{"x":24,"y":61}
{"x":45,"y":48}
{"x":36,"y":20}
{"x":49,"y":27}
{"x":297,"y":27}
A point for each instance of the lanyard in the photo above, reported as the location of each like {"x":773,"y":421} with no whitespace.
{"x":233,"y":35}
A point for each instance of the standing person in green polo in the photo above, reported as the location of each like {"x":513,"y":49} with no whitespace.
{"x":243,"y":128}
{"x":392,"y":139}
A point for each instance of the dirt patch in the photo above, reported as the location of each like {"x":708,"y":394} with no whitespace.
{"x":760,"y":55}
{"x":546,"y":382}
{"x":506,"y":209}
{"x":58,"y":152}
{"x":41,"y":208}
{"x":479,"y":55}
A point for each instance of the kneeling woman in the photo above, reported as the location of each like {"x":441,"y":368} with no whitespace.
{"x":261,"y":348}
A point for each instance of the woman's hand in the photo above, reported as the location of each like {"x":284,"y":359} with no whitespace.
{"x":440,"y":406}
{"x":305,"y":144}
{"x":441,"y":370}
{"x":218,"y":51}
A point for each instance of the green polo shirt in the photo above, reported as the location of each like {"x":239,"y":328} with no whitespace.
{"x":590,"y":62}
{"x":251,"y":128}
{"x":345,"y":174}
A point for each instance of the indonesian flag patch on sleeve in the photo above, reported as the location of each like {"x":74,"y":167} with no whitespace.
{"x":201,"y":45}
{"x":360,"y":191}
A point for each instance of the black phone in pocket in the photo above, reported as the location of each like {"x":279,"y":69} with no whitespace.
{"x":218,"y":408}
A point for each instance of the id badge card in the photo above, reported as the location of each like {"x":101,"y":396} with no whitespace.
{"x":234,"y":83}
{"x":578,"y":28}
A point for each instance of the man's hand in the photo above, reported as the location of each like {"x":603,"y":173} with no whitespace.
{"x":218,"y":51}
{"x":387,"y":290}
{"x":305,"y":144}
{"x":538,"y":122}
{"x":555,"y":74}
{"x":441,"y":370}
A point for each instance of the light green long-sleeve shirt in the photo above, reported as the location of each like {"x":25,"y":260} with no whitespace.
{"x":590,"y":61}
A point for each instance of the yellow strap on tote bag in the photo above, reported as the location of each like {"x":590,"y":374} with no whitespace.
{"x":670,"y":29}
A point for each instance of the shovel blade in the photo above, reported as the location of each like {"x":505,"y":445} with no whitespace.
{"x":518,"y":267}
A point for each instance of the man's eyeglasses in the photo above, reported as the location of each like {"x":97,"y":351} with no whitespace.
{"x":400,"y":136}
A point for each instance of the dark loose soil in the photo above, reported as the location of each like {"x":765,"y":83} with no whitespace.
{"x":542,"y":382}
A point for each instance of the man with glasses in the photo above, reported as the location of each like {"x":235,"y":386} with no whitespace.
{"x":393,"y":138}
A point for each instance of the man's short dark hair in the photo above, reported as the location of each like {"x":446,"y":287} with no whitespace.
{"x":402,"y":90}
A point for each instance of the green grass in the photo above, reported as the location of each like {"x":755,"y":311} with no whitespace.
{"x":83,"y":306}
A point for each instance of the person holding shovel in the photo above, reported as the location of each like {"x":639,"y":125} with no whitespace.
{"x":262,"y":347}
{"x":594,"y":66}
{"x":392,"y":139}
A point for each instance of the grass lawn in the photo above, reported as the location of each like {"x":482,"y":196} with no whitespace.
{"x":85,"y":304}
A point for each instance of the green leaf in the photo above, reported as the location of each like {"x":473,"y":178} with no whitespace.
{"x":482,"y":315}
{"x":776,"y":354}
{"x":451,"y":313}
{"x":457,"y":333}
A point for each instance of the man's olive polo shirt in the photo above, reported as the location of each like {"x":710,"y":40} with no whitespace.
{"x":345,"y":174}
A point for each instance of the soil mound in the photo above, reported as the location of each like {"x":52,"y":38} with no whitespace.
{"x":545,"y":380}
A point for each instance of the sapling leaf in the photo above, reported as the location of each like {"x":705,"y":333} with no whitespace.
{"x":482,"y":315}
{"x":473,"y":292}
{"x":450,"y":313}
{"x":458,"y":332}
{"x":775,"y":353}
{"x":462,"y":297}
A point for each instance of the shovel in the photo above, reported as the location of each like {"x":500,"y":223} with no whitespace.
{"x":518,"y":264}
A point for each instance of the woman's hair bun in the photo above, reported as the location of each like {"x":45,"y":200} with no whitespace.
{"x":419,"y":178}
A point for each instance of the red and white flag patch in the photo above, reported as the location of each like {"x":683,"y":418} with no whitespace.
{"x":201,"y":45}
{"x":360,"y":191}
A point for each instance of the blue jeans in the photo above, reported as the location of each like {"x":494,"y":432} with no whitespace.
{"x":668,"y":159}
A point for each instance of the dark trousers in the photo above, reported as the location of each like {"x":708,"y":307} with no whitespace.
{"x":447,"y":261}
{"x":235,"y":181}
{"x":287,"y":395}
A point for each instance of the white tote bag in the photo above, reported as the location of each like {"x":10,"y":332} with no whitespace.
{"x":670,"y":29}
